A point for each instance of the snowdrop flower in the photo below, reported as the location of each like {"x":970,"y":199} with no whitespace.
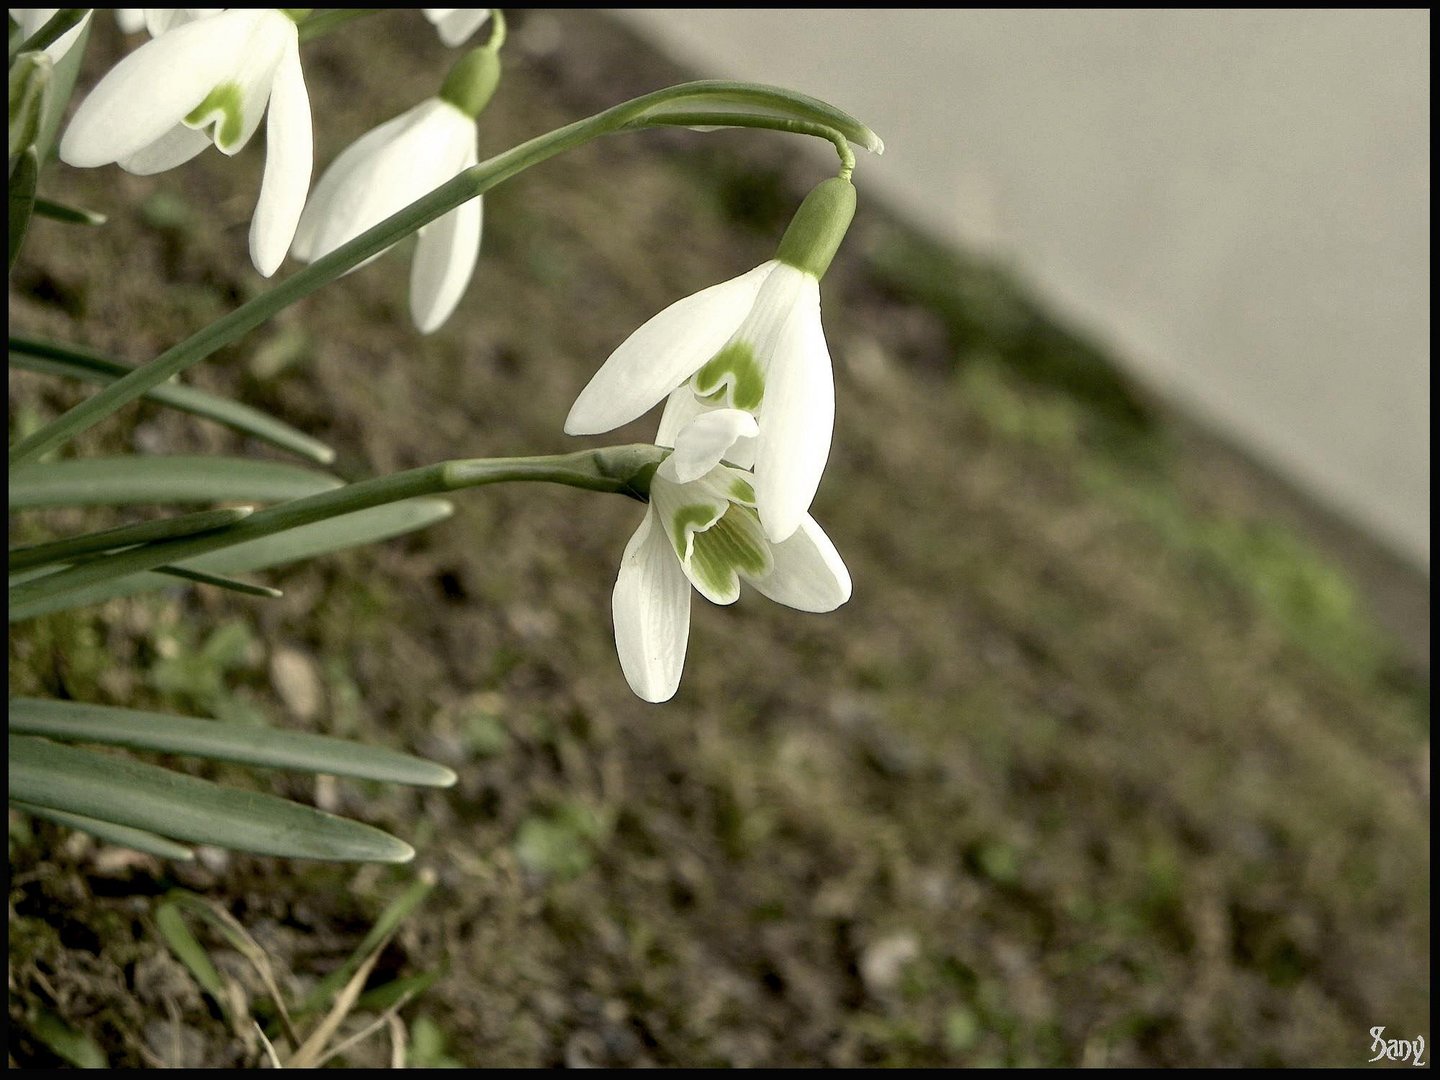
{"x":396,"y":163}
{"x":209,"y":80}
{"x":455,"y":25}
{"x":753,"y":343}
{"x":705,"y":533}
{"x":30,"y":20}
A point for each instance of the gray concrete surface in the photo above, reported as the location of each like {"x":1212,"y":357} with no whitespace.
{"x":1238,"y":201}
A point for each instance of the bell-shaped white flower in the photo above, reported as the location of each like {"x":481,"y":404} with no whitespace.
{"x":209,"y":80}
{"x":455,"y":25}
{"x":30,"y":20}
{"x":753,"y":343}
{"x":384,"y":171}
{"x":706,"y":534}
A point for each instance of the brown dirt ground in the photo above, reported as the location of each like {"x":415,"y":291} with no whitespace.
{"x":1097,"y":767}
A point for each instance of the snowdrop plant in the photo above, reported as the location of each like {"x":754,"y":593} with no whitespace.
{"x":728,"y":482}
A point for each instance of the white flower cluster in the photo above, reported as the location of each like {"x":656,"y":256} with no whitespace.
{"x":210,"y":74}
{"x":750,"y":405}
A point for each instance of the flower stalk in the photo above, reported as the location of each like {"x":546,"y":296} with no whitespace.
{"x":623,"y":470}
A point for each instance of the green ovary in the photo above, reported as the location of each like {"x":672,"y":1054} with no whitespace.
{"x":734,"y":367}
{"x":226,"y":100}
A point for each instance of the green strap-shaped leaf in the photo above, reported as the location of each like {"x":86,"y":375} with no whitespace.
{"x":67,"y":1042}
{"x":306,"y":542}
{"x":220,"y":581}
{"x":108,"y":831}
{"x":70,"y":215}
{"x":757,"y":100}
{"x":73,"y":547}
{"x":261,"y":746}
{"x":168,"y":803}
{"x":122,"y":481}
{"x":51,"y":358}
{"x":22,"y":199}
{"x":171,"y":925}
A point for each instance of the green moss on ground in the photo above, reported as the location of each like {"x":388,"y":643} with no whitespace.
{"x":1090,"y":771}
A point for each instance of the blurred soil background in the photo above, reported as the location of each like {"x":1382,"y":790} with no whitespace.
{"x":1102,"y":764}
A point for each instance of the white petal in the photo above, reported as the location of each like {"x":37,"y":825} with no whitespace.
{"x":681,"y":407}
{"x":651,"y":607}
{"x":796,"y":419}
{"x":663,"y":353}
{"x":809,"y":574}
{"x":175,"y":147}
{"x":269,"y":39}
{"x":329,"y":200}
{"x":417,"y":152}
{"x":161,"y":20}
{"x":444,"y":260}
{"x":289,"y":156}
{"x":130,"y":20}
{"x":455,"y":25}
{"x":150,"y":91}
{"x":703,"y":442}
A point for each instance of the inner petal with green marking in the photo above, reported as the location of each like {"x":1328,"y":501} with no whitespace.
{"x":225,"y":108}
{"x":734,"y":376}
{"x":719,"y":555}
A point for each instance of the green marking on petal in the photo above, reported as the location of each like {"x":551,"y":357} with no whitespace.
{"x":733,"y":545}
{"x":735,"y":372}
{"x":695,"y":516}
{"x":226,"y":103}
{"x":741,"y":491}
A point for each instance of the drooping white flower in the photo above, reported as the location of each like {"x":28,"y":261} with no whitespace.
{"x":706,"y":533}
{"x":384,"y":171}
{"x":455,"y":25}
{"x":753,"y":343}
{"x":31,"y":20}
{"x":209,"y":80}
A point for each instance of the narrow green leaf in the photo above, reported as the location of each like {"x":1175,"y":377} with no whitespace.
{"x":122,"y":481}
{"x":108,"y":831}
{"x":158,"y":800}
{"x":389,"y":921}
{"x":757,"y":100}
{"x":73,"y":1046}
{"x":72,"y":547}
{"x":22,"y":199}
{"x":56,"y":27}
{"x":306,"y":542}
{"x":51,"y":358}
{"x":245,"y":588}
{"x":171,"y":925}
{"x":383,"y":997}
{"x":261,"y":746}
{"x":71,"y":215}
